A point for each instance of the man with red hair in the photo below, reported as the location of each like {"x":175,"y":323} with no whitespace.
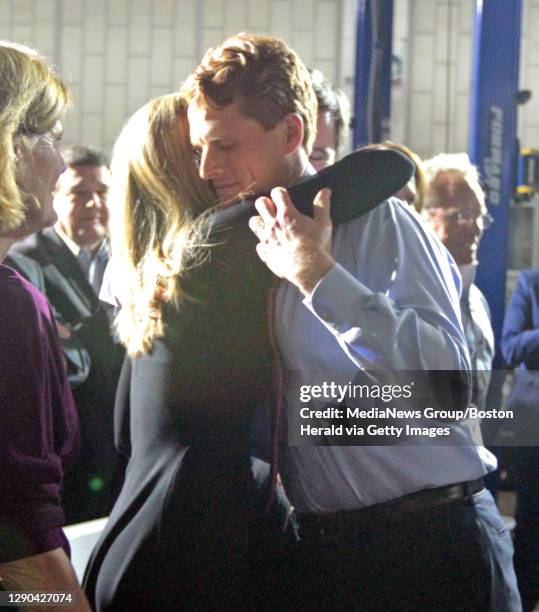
{"x":408,"y":524}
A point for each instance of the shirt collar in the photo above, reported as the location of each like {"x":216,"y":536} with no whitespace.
{"x":467,"y":273}
{"x":69,"y":242}
{"x":308,"y":171}
{"x":74,"y":247}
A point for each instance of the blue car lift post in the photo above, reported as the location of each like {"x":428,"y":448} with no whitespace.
{"x":493,"y":142}
{"x":493,"y":139}
{"x":372,"y":91}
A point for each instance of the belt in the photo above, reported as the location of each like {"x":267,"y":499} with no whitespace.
{"x":349,"y":522}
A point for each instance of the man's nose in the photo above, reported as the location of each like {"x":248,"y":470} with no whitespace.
{"x":210,"y":166}
{"x":96,"y":201}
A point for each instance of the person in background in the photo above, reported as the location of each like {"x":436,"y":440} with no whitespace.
{"x":38,"y":421}
{"x":408,"y":525}
{"x":520,"y":347}
{"x":454,"y":206}
{"x":76,"y":356}
{"x":73,"y":255}
{"x":83,"y":215}
{"x":332,"y":123}
{"x":414,"y":192}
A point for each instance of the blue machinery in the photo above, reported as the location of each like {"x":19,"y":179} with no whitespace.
{"x":493,"y":137}
{"x":373,"y":71}
{"x":493,"y":142}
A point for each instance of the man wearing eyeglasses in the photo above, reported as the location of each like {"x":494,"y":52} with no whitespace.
{"x":455,"y":208}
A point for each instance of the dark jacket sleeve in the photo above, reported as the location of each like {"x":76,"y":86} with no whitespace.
{"x":520,"y":340}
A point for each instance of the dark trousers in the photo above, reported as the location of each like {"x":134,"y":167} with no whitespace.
{"x":452,"y":558}
{"x":526,"y":464}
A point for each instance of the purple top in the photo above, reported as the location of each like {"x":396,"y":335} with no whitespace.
{"x":38,"y":422}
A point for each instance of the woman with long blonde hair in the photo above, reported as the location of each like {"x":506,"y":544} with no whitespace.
{"x":157,"y":202}
{"x":187,"y":528}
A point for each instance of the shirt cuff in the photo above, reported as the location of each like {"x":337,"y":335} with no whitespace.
{"x":337,"y":300}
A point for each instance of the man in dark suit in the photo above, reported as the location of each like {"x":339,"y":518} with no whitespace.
{"x":76,"y":356}
{"x":73,"y":255}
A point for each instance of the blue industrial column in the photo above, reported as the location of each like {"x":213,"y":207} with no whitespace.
{"x":372,"y":93}
{"x":493,"y":140}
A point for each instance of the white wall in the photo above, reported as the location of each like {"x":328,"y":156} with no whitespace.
{"x":440,"y":70}
{"x":117,"y":54}
{"x":529,"y":73}
{"x":433,"y":38}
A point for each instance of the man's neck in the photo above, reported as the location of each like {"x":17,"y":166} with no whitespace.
{"x":300,"y":167}
{"x":73,"y":245}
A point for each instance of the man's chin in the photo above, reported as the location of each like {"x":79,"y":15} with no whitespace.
{"x":466,"y":258}
{"x":230,"y":194}
{"x":90,"y":239}
{"x":229,"y":197}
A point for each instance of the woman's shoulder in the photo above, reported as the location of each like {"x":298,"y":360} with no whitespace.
{"x":20,"y":297}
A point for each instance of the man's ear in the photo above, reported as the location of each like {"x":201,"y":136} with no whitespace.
{"x":294,"y":132}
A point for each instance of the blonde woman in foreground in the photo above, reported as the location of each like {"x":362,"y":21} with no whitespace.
{"x":38,"y":420}
{"x":188,"y":530}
